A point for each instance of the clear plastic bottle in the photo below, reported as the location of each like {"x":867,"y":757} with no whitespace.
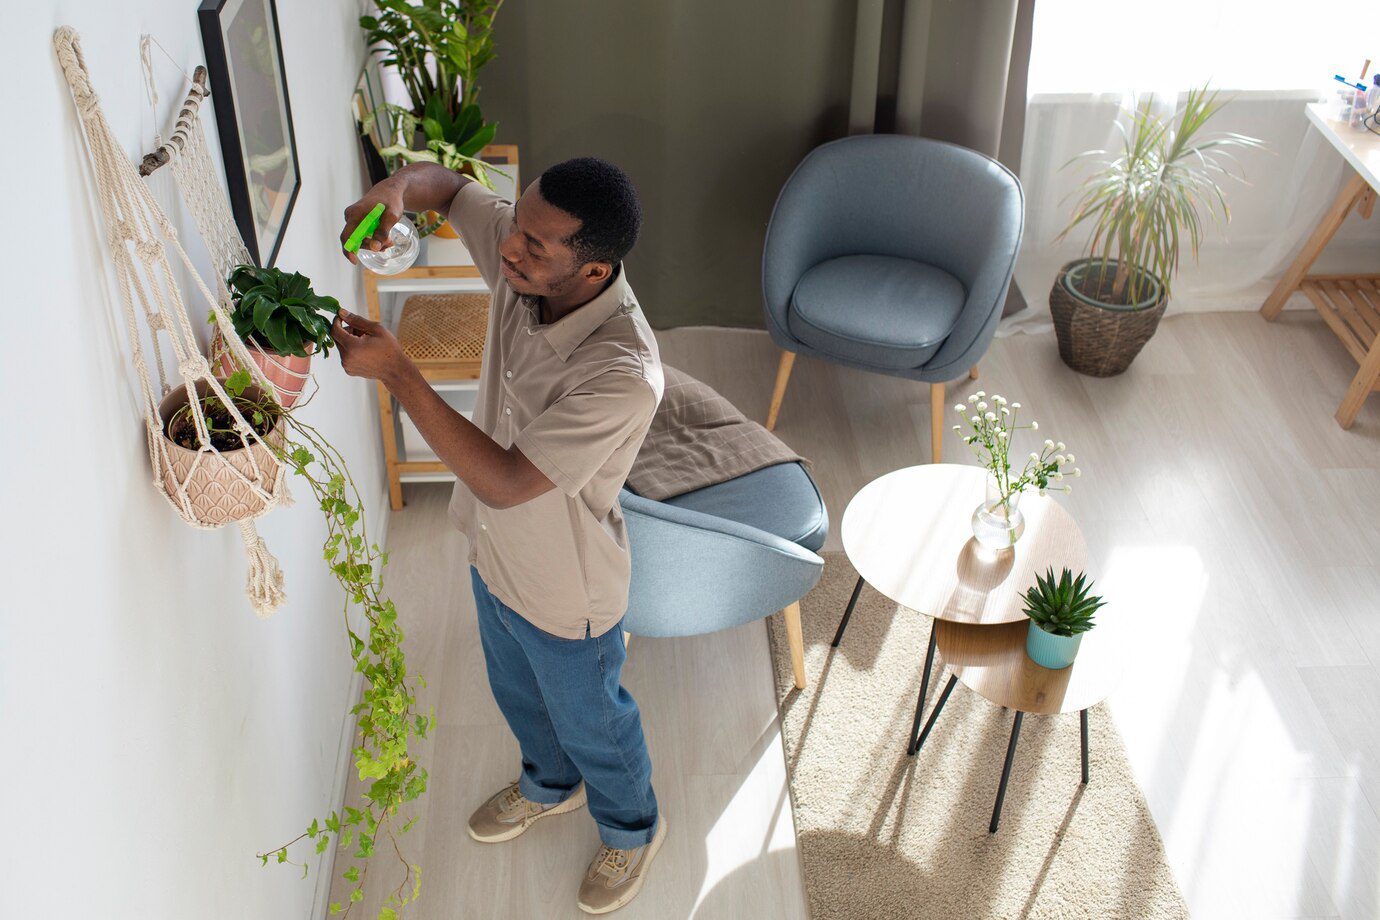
{"x":397,"y":257}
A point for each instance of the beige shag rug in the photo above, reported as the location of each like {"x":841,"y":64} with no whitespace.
{"x":886,"y":835}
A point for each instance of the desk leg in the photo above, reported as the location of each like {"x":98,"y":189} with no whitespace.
{"x":1006,"y":772}
{"x":843,"y":624}
{"x":1361,"y":386}
{"x":1083,"y":730}
{"x":924,"y":686}
{"x":938,"y":708}
{"x":1352,"y":191}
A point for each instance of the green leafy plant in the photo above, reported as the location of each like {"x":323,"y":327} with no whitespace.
{"x":1063,"y":607}
{"x":1144,"y":199}
{"x":991,"y":425}
{"x":437,"y":47}
{"x":280,"y":310}
{"x":388,"y":721}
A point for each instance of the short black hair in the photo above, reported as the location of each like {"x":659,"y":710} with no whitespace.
{"x":602,"y":198}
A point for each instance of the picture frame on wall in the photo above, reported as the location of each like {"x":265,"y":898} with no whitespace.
{"x":244,"y":57}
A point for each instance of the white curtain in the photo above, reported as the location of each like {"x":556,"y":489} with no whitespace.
{"x":1090,"y":60}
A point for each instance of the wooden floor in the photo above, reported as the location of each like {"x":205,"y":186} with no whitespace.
{"x":1225,"y":511}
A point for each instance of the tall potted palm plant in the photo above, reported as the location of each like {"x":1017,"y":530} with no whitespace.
{"x":1142,"y":203}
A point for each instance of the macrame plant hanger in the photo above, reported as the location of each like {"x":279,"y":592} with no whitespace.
{"x":208,"y":488}
{"x":187,"y":155}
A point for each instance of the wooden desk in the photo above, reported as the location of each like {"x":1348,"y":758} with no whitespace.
{"x":1349,"y":304}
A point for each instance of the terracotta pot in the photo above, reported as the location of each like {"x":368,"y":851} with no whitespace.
{"x":214,"y":483}
{"x":287,"y":373}
{"x":445,"y":231}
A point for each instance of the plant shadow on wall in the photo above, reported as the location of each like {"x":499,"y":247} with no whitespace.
{"x":295,"y":322}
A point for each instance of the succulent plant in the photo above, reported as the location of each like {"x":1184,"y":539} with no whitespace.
{"x":1062,"y":607}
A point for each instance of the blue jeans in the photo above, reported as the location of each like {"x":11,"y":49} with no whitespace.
{"x":562,"y":699}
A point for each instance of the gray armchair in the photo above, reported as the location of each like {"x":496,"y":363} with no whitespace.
{"x":891,"y":254}
{"x":725,"y":555}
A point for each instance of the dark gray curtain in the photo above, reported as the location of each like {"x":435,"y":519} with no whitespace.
{"x":709,"y":105}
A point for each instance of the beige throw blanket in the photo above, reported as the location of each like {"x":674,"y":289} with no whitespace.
{"x":697,"y":439}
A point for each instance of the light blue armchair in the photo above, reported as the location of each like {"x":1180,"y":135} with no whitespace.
{"x":725,"y":555}
{"x":891,"y":254}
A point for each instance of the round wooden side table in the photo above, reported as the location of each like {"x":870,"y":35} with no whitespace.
{"x":909,"y":535}
{"x":991,"y":661}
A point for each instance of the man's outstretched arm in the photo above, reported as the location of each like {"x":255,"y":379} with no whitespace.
{"x":499,"y":478}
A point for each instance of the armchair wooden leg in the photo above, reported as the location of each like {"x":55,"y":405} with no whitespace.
{"x":627,"y":640}
{"x":796,"y":639}
{"x":936,"y":423}
{"x":973,"y":372}
{"x":783,"y":376}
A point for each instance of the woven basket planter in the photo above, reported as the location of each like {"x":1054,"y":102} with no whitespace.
{"x":287,"y":373}
{"x":214,"y":482}
{"x":1101,"y":340}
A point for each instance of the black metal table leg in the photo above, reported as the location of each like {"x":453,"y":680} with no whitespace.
{"x":924,"y":686}
{"x":1006,"y":771}
{"x":1083,"y":719}
{"x":843,"y":624}
{"x":934,"y":714}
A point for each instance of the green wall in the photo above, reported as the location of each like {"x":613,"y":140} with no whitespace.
{"x":707,"y":105}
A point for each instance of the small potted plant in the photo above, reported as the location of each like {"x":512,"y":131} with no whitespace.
{"x":230,"y":476}
{"x":998,"y":522}
{"x":1142,"y":203}
{"x":1060,"y":612}
{"x":282,"y":321}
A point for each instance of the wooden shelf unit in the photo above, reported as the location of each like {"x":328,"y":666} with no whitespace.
{"x":457,"y":374}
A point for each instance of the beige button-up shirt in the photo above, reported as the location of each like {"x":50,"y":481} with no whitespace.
{"x":576,"y":396}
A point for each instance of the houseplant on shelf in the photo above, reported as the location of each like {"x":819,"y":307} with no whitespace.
{"x":1060,"y":612}
{"x":282,"y":321}
{"x":998,"y":522}
{"x":437,"y":49}
{"x":1141,"y":203}
{"x":454,"y":143}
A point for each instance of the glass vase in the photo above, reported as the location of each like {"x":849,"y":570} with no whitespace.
{"x":998,"y":522}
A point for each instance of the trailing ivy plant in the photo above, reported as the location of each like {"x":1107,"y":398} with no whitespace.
{"x":388,"y":721}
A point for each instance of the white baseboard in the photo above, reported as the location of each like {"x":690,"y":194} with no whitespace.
{"x":325,"y":868}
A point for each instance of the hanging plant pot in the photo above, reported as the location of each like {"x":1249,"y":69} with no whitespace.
{"x":223,"y":485}
{"x":287,"y":373}
{"x":1098,"y":336}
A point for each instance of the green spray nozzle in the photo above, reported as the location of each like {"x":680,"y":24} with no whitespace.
{"x":365,"y":229}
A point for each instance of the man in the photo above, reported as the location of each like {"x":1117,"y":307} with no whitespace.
{"x":570,"y":380}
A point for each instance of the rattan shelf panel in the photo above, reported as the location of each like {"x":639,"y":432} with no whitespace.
{"x":445,"y":332}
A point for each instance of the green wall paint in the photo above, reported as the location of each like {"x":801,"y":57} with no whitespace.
{"x":707,"y":105}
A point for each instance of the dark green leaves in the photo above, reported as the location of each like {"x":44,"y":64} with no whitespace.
{"x":1062,"y":607}
{"x":280,"y":311}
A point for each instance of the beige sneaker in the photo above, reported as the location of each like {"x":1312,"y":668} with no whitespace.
{"x":509,"y":813}
{"x":615,"y":877}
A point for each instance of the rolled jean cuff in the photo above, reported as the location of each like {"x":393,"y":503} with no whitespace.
{"x":541,"y":795}
{"x":621,"y":839}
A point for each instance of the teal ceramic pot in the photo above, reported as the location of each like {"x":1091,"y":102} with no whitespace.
{"x":1051,"y":651}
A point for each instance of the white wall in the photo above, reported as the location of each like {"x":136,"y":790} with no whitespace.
{"x":155,"y":733}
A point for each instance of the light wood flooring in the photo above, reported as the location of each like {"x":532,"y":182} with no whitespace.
{"x":1225,"y":511}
